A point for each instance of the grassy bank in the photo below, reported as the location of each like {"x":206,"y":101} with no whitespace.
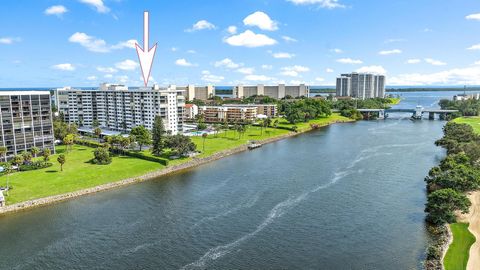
{"x":458,"y":252}
{"x":394,"y":101}
{"x":472,"y":121}
{"x":78,"y":173}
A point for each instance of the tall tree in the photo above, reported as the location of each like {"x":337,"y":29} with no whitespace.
{"x":3,"y":152}
{"x":68,"y":141}
{"x":35,"y":150}
{"x":158,"y":133}
{"x":142,"y":136}
{"x":98,"y":132}
{"x":61,"y":159}
{"x":204,"y":136}
{"x":46,"y":154}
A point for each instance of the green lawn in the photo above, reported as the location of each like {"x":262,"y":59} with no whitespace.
{"x":458,"y":252}
{"x":473,"y":121}
{"x":78,"y":173}
{"x":394,"y":101}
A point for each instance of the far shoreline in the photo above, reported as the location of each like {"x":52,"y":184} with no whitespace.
{"x":195,"y":162}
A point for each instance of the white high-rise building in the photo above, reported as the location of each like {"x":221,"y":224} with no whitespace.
{"x":361,"y":85}
{"x":119,"y":109}
{"x":274,"y":91}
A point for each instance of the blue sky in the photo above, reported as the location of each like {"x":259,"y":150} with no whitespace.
{"x":45,"y":43}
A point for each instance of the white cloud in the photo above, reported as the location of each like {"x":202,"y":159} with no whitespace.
{"x":297,"y":68}
{"x":296,"y":82}
{"x":183,"y":63}
{"x":258,"y":78}
{"x":56,"y":10}
{"x":97,"y":4}
{"x":94,"y":44}
{"x":192,"y":51}
{"x":477,"y":62}
{"x":208,"y":77}
{"x":473,"y":17}
{"x":474,"y":47}
{"x":232,"y":29}
{"x":201,"y":25}
{"x":392,"y":40}
{"x":289,"y":39}
{"x":267,"y":67}
{"x":337,"y":50}
{"x":261,"y":20}
{"x":250,"y":39}
{"x":122,"y":79}
{"x":290,"y":73}
{"x":246,"y":70}
{"x":106,"y":69}
{"x":126,"y":44}
{"x":349,"y":61}
{"x":413,"y":61}
{"x":174,"y":49}
{"x":427,"y":30}
{"x":9,"y":40}
{"x":458,"y":76}
{"x":372,"y":69}
{"x":108,"y":76}
{"x":294,"y":71}
{"x":434,"y":62}
{"x":92,"y":78}
{"x":389,"y":52}
{"x":127,"y":65}
{"x":329,"y":70}
{"x":227,"y":63}
{"x":319,"y":79}
{"x":283,"y":55}
{"x":89,"y":42}
{"x":322,"y":3}
{"x":65,"y":67}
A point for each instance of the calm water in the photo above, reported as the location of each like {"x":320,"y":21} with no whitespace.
{"x":350,"y":196}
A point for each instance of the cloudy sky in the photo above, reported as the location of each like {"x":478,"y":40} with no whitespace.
{"x":46,"y":43}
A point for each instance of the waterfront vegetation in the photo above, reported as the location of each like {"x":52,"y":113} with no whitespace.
{"x":89,"y":164}
{"x":469,"y":107}
{"x":457,"y":255}
{"x":447,"y":183}
{"x":473,"y":121}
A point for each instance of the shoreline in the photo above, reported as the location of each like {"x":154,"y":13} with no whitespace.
{"x":195,"y":162}
{"x":473,"y":218}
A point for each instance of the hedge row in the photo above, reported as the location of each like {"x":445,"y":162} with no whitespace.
{"x":139,"y":155}
{"x":34,"y":166}
{"x":88,"y":143}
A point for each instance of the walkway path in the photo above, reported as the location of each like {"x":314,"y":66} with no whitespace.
{"x":473,"y":217}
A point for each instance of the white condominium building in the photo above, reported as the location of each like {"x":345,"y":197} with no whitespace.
{"x":361,"y":85}
{"x":276,"y":91}
{"x":192,"y":92}
{"x":26,"y":121}
{"x":119,"y":109}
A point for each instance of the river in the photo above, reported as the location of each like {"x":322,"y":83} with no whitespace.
{"x":349,"y":196}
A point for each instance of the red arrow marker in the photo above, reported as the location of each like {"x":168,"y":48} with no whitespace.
{"x":146,"y":55}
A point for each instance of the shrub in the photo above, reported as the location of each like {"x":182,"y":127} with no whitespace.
{"x":102,"y":156}
{"x":139,"y":155}
{"x":35,"y":166}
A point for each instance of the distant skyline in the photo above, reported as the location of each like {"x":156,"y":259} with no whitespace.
{"x":45,"y":43}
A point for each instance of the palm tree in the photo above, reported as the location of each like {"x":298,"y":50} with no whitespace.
{"x":204,"y":136}
{"x":3,"y":152}
{"x":35,"y":150}
{"x":61,"y":159}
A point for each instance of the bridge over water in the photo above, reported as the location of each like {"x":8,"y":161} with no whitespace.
{"x":417,"y":112}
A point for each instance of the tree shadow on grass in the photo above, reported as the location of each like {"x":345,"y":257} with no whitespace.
{"x":51,"y":171}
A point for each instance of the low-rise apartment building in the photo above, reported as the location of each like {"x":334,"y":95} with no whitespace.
{"x":116,"y":108}
{"x":277,"y":91}
{"x":26,"y":121}
{"x":237,"y":112}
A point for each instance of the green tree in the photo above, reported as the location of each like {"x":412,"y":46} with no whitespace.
{"x":3,"y":152}
{"x":68,"y":141}
{"x":35,"y":150}
{"x":181,"y":144}
{"x":95,"y":123}
{"x":27,"y":156}
{"x":46,"y":154}
{"x":204,"y":137}
{"x":7,"y":170}
{"x":17,"y":160}
{"x":142,"y":136}
{"x":158,"y":133}
{"x":102,"y":156}
{"x":98,"y":132}
{"x":61,"y":159}
{"x":442,"y":204}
